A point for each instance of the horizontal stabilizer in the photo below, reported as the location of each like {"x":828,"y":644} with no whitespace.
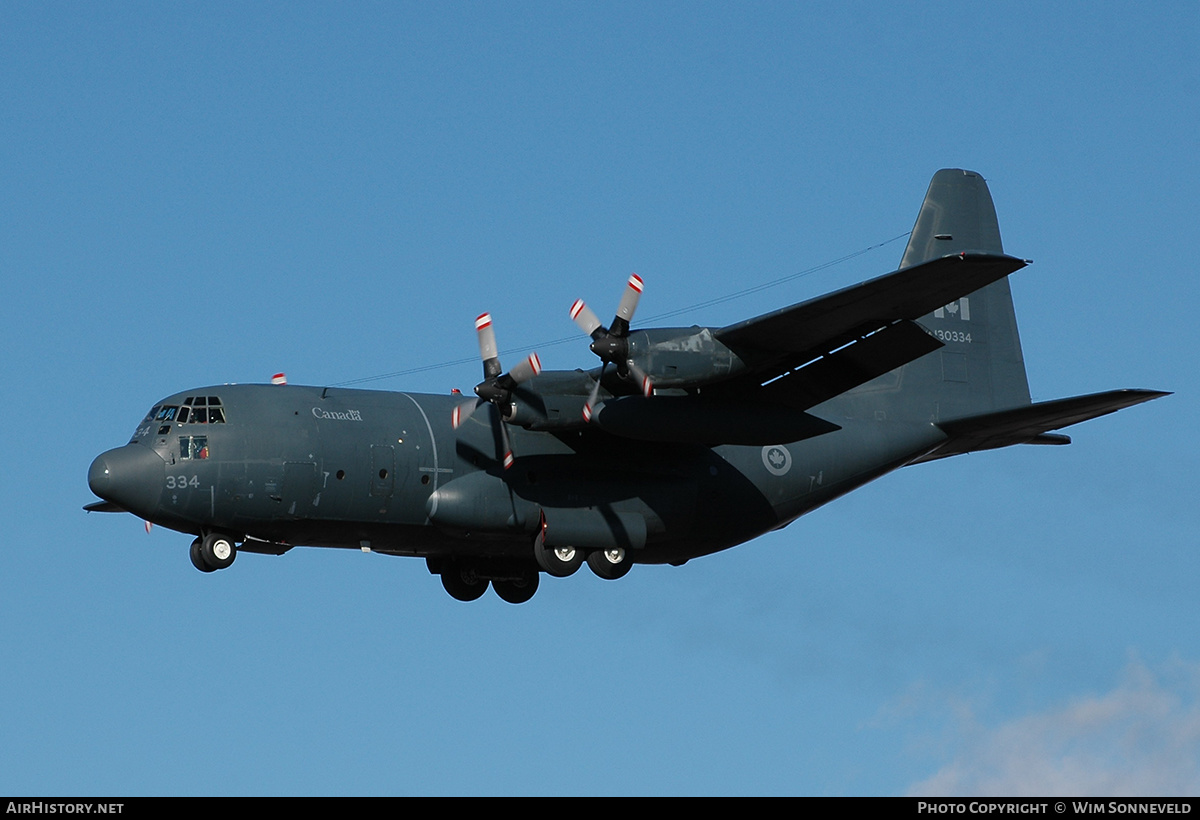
{"x":1030,"y":424}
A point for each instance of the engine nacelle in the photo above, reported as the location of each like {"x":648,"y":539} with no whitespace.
{"x":683,"y":357}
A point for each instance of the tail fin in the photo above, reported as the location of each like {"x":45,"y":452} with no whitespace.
{"x":957,"y":215}
{"x":980,"y":369}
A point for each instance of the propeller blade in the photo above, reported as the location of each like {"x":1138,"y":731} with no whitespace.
{"x":639,"y":375}
{"x":629,"y":300}
{"x":463,"y":411}
{"x":591,"y":402}
{"x":526,"y":370}
{"x":487,"y":346}
{"x":586,"y":318}
{"x":506,"y":458}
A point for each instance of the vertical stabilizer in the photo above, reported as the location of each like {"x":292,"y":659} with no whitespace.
{"x":957,"y":215}
{"x":980,"y":369}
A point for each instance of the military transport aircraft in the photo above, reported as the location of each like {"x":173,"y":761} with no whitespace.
{"x":683,"y":442}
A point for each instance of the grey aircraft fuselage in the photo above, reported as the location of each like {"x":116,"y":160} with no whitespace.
{"x":306,"y":466}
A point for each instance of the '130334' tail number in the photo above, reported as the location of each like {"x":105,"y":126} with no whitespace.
{"x":952,"y":336}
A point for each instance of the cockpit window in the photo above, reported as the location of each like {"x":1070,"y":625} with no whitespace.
{"x":193,"y":410}
{"x":202,"y":410}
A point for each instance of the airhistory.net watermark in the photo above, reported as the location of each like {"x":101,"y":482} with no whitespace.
{"x":44,"y":807}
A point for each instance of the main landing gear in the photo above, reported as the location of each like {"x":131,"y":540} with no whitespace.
{"x":610,"y":564}
{"x":557,"y":561}
{"x":212,"y":552}
{"x":467,"y":581}
{"x":463,"y":582}
{"x":516,"y":581}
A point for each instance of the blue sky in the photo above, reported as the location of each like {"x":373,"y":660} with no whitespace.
{"x":194,"y":195}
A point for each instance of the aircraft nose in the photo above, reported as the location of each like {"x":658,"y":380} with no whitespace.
{"x":131,"y":477}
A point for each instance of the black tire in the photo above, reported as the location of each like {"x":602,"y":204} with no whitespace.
{"x":198,"y":558}
{"x":610,"y":564}
{"x":517,"y":590}
{"x":557,"y":561}
{"x":218,"y":551}
{"x":462,"y":583}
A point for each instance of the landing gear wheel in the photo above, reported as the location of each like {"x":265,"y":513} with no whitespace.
{"x":217,"y":551}
{"x":557,"y":561}
{"x":462,"y":583}
{"x":610,"y":564}
{"x":517,"y":590}
{"x":198,"y":559}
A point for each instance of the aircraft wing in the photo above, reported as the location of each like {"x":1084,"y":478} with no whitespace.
{"x":1030,"y":424}
{"x":778,"y":343}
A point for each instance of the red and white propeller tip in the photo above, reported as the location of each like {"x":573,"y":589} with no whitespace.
{"x":629,"y":299}
{"x":584,"y":317}
{"x":526,"y":369}
{"x":487,"y":336}
{"x":461,"y":413}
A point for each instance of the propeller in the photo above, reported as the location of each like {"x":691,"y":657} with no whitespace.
{"x":496,"y":387}
{"x":611,"y":344}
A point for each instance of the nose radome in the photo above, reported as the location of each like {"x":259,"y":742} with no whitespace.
{"x":131,"y":477}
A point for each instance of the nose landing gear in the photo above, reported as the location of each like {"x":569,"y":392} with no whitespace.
{"x":212,"y":552}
